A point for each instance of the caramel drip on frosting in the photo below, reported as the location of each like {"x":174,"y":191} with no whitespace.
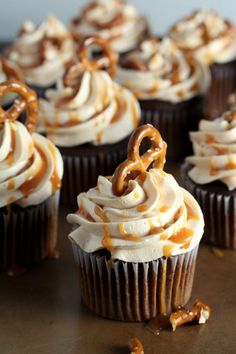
{"x":231,"y":164}
{"x":10,"y":157}
{"x":126,"y":235}
{"x":55,"y":179}
{"x":33,"y":181}
{"x":183,"y":236}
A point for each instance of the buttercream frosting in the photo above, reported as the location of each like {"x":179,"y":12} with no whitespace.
{"x":113,"y":20}
{"x":159,"y":70}
{"x":99,"y":111}
{"x":208,"y":35}
{"x":154,"y":218}
{"x":214,"y":148}
{"x":43,"y":51}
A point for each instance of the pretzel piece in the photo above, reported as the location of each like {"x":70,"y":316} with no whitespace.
{"x":27,"y":101}
{"x":135,"y":346}
{"x":108,"y":60}
{"x":11,"y":71}
{"x":136,"y":163}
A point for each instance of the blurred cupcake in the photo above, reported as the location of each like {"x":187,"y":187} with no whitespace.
{"x":171,"y":88}
{"x":42,"y":52}
{"x":9,"y":71}
{"x":137,"y":237}
{"x":210,"y":175}
{"x":30,"y":177}
{"x":89,"y":117}
{"x":113,"y":20}
{"x":213,"y":40}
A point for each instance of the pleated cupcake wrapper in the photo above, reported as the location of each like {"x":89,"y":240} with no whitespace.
{"x":219,"y":212}
{"x":222,"y":85}
{"x":134,"y":291}
{"x":81,"y":172}
{"x":174,"y":121}
{"x":28,"y":235}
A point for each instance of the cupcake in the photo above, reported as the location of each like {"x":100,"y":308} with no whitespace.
{"x":136,"y":237}
{"x":42,"y":52}
{"x":30,"y":176}
{"x":171,"y":88}
{"x":113,"y":20}
{"x":210,"y":175}
{"x":89,"y":117}
{"x":212,"y":39}
{"x":8,"y":71}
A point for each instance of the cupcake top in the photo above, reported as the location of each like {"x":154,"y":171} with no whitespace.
{"x":159,"y":70}
{"x":42,"y":52}
{"x":8,"y":71}
{"x":87,"y":106}
{"x":204,"y":32}
{"x":139,"y":215}
{"x":232,"y":100}
{"x":31,"y":166}
{"x":112,"y":20}
{"x":215,"y":151}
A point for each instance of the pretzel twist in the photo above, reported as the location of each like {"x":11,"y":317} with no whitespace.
{"x":27,"y":101}
{"x":136,"y":163}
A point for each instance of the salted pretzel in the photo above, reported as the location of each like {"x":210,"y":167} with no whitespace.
{"x":27,"y":101}
{"x":138,"y":164}
{"x":75,"y":70}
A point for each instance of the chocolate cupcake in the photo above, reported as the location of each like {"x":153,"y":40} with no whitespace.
{"x":137,"y":237}
{"x":115,"y":21}
{"x":30,"y":177}
{"x":42,"y":53}
{"x":210,"y":175}
{"x":212,"y":40}
{"x":89,"y":117}
{"x":171,"y":88}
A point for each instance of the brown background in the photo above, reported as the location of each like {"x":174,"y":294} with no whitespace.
{"x":41,"y":311}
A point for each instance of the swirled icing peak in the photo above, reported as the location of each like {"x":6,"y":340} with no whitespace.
{"x":153,"y":217}
{"x":42,"y":52}
{"x":31,"y":167}
{"x":215,"y":151}
{"x":159,"y":70}
{"x":113,"y":20}
{"x":204,"y":32}
{"x":87,"y":106}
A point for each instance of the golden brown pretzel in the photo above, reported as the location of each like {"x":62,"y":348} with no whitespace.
{"x":27,"y":100}
{"x":108,"y":60}
{"x":137,"y":163}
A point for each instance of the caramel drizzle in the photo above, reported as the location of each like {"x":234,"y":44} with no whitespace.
{"x":231,"y":165}
{"x":126,"y":235}
{"x":10,"y":157}
{"x":32,"y":182}
{"x":55,"y":179}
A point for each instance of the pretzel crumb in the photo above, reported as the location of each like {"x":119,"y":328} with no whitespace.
{"x":135,"y":346}
{"x":217,"y":252}
{"x":199,"y":312}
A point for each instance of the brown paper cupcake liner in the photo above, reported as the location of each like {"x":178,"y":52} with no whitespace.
{"x":222,"y":85}
{"x":28,"y":235}
{"x":218,"y":205}
{"x":127,"y":291}
{"x":83,"y":165}
{"x":174,"y":121}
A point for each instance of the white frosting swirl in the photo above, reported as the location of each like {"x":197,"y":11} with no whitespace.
{"x":31,"y":166}
{"x":98,"y":112}
{"x":113,"y":20}
{"x":42,"y":52}
{"x":155,"y":218}
{"x":215,"y":151}
{"x":159,"y":70}
{"x":208,"y":35}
